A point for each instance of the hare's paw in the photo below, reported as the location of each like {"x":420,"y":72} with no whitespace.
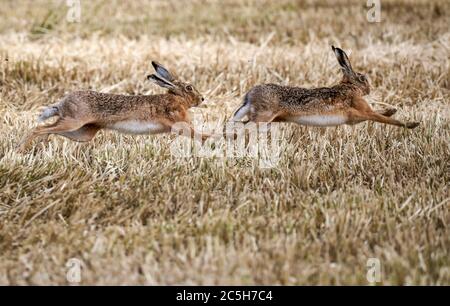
{"x":389,"y":112}
{"x":411,"y":125}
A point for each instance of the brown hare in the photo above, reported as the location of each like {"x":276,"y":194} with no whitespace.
{"x":82,"y":114}
{"x":326,"y":106}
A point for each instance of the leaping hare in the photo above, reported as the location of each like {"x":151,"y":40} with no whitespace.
{"x":328,"y":106}
{"x":82,"y":114}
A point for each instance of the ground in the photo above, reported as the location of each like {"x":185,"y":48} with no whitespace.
{"x":131,"y":212}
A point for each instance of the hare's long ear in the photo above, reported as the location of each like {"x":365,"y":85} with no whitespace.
{"x":343,"y":60}
{"x":162,"y":72}
{"x":161,"y":81}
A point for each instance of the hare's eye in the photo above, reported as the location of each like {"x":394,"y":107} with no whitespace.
{"x":189,"y":88}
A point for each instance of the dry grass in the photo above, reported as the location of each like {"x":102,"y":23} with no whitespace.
{"x":135,"y":214}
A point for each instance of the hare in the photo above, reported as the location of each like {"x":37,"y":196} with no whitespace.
{"x":82,"y":114}
{"x":328,"y":106}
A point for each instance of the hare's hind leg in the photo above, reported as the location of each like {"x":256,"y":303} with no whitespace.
{"x":263,"y":116}
{"x":33,"y":134}
{"x":61,"y":125}
{"x":83,"y":134}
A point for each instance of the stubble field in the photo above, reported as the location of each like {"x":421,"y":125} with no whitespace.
{"x":133,"y":213}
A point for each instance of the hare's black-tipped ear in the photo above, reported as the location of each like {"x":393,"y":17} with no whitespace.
{"x":342,"y":59}
{"x":161,"y":71}
{"x":160,"y":81}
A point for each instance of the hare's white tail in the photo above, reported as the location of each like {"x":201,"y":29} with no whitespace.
{"x":242,"y":110}
{"x":48,"y":112}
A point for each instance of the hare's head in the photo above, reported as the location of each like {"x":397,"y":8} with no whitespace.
{"x":357,"y":80}
{"x":165,"y":79}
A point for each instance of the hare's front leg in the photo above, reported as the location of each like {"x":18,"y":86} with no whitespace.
{"x":387,"y":112}
{"x":383,"y":119}
{"x":357,"y":116}
{"x":361,"y":111}
{"x":193,"y":132}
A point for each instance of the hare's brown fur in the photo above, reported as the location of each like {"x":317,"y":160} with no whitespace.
{"x":326,"y":106}
{"x":105,"y":109}
{"x":81,"y":114}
